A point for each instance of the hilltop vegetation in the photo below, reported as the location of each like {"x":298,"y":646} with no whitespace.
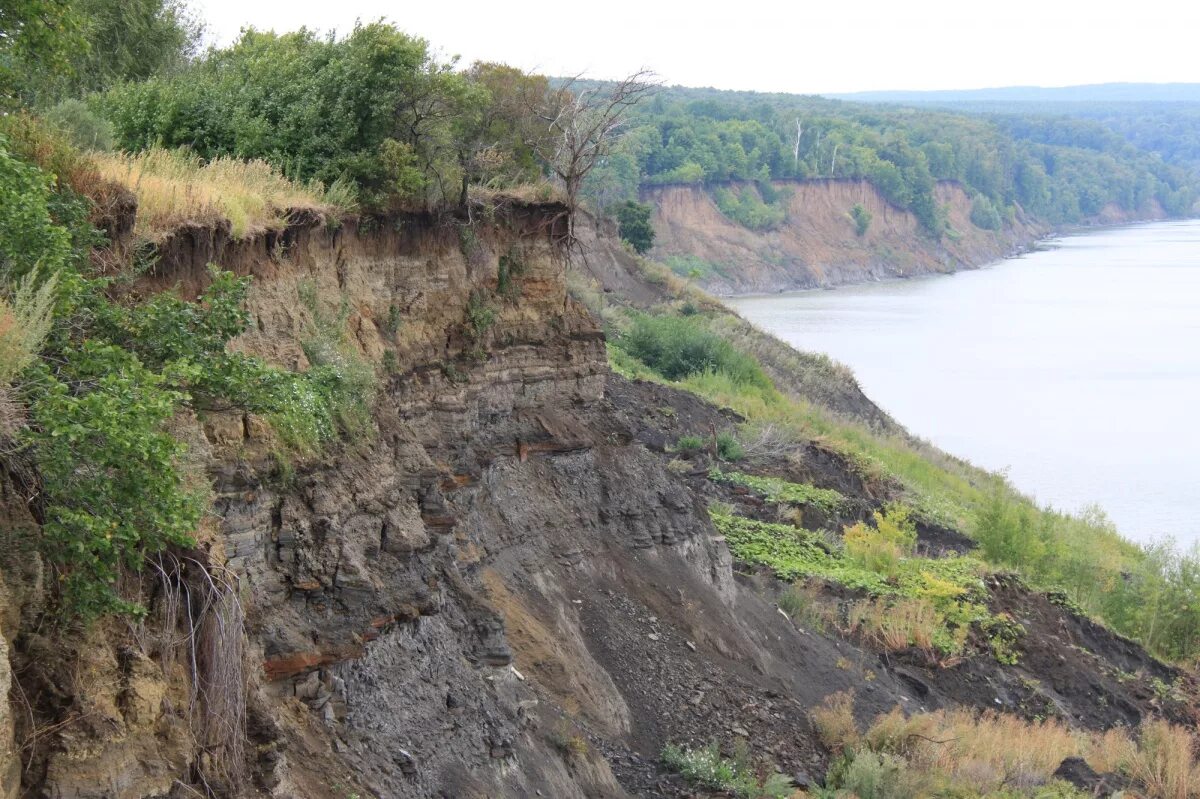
{"x":1058,"y":169}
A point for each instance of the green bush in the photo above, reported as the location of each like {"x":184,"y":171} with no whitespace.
{"x":729,"y":448}
{"x":706,"y":768}
{"x":746,"y":207}
{"x":862,"y":219}
{"x":984,"y":214}
{"x":677,"y":347}
{"x":79,"y":123}
{"x":689,"y":444}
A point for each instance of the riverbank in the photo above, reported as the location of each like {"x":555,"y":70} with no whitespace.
{"x":818,"y":245}
{"x":1022,"y":368}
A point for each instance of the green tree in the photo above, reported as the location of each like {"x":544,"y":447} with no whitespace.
{"x":633,"y":221}
{"x":862,"y":219}
{"x":37,"y":39}
{"x":375,"y":108}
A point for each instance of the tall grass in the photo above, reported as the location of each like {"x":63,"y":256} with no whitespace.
{"x":174,"y":187}
{"x":948,"y":752}
{"x":25,"y":318}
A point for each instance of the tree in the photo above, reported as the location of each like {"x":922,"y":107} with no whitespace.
{"x":493,"y":137}
{"x":633,"y":224}
{"x":37,"y":38}
{"x":132,"y":40}
{"x":581,"y":124}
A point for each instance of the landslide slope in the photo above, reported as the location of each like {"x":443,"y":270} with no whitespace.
{"x":510,"y":585}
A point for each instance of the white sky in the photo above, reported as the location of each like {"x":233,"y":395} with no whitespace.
{"x":803,"y":46}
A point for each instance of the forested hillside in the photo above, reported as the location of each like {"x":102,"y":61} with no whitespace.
{"x":1059,"y":170}
{"x":1157,"y":118}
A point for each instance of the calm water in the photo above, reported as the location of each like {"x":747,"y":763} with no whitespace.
{"x":1076,"y":368}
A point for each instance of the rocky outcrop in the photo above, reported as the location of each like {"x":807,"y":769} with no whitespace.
{"x":816,"y":245}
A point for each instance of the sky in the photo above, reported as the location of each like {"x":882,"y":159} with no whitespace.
{"x":801,"y":46}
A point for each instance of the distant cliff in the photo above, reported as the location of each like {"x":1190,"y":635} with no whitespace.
{"x":817,"y":244}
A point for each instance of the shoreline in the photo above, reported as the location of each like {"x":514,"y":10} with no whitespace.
{"x":1034,"y":245}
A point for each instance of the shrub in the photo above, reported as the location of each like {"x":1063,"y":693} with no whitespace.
{"x":24,"y":322}
{"x":873,"y":775}
{"x":689,"y":444}
{"x":862,"y":219}
{"x":746,"y":207}
{"x":880,"y":549}
{"x":112,"y":484}
{"x":729,"y":448}
{"x":706,"y":767}
{"x":984,"y":214}
{"x":85,"y":129}
{"x":677,"y":347}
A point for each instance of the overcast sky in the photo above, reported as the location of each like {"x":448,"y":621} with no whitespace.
{"x":804,"y":46}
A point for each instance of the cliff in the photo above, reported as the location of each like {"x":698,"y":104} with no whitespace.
{"x":817,"y":246}
{"x":507,"y":586}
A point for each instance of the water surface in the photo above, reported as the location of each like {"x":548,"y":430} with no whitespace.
{"x":1076,"y":368}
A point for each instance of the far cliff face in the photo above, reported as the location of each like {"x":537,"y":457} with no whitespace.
{"x":817,"y":245}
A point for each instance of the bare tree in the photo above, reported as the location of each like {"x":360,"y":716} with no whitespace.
{"x":581,"y":124}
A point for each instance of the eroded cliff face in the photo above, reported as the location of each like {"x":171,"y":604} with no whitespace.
{"x":817,"y":246}
{"x":501,"y":590}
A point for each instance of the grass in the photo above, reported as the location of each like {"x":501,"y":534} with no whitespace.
{"x":961,"y":752}
{"x":781,"y":492}
{"x":174,"y":187}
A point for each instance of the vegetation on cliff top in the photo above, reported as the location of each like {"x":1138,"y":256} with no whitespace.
{"x":1055,"y":168}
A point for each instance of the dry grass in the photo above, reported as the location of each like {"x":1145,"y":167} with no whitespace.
{"x":25,"y":318}
{"x":991,"y":752}
{"x":1164,"y":761}
{"x":896,"y":625}
{"x":834,"y":721}
{"x":174,"y":187}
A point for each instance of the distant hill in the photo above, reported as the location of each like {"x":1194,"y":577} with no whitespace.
{"x":1094,"y":93}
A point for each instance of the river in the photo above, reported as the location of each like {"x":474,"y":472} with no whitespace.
{"x":1075,"y":368}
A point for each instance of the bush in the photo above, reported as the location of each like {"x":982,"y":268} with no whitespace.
{"x":81,"y":125}
{"x":984,"y":214}
{"x":880,"y":549}
{"x":862,"y":219}
{"x":746,"y":207}
{"x":677,"y":347}
{"x":25,"y":320}
{"x":873,"y":775}
{"x":706,"y":768}
{"x":689,"y":444}
{"x":729,"y":448}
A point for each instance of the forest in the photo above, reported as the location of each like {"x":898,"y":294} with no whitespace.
{"x":1060,"y":169}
